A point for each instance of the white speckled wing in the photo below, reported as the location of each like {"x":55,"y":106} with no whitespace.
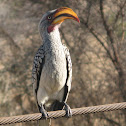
{"x":38,"y":64}
{"x":69,"y":70}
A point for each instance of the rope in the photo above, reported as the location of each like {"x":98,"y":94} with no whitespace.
{"x":61,"y":113}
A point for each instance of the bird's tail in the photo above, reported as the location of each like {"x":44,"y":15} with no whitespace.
{"x":44,"y":122}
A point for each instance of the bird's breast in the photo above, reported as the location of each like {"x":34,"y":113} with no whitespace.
{"x":54,"y":72}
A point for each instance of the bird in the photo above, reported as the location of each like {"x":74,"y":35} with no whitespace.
{"x":52,"y":65}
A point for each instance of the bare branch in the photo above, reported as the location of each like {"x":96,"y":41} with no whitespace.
{"x":97,"y":37}
{"x":110,"y":120}
{"x":119,"y":12}
{"x":89,"y":10}
{"x":111,"y":37}
{"x":13,"y":46}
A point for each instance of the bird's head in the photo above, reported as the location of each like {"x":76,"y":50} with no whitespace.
{"x":54,"y":18}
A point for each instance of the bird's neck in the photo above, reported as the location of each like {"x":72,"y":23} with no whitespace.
{"x":52,"y":40}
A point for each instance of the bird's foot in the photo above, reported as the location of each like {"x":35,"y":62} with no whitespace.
{"x":44,"y":112}
{"x":68,"y":110}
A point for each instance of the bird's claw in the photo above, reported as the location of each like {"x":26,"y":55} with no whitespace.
{"x":44,"y":113}
{"x":68,"y":110}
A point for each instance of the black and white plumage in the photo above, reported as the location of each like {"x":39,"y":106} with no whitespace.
{"x":39,"y":62}
{"x":52,"y":68}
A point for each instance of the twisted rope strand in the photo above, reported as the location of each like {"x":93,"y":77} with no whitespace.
{"x":61,"y":113}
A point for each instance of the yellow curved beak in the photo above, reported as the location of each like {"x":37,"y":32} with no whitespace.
{"x":64,"y":13}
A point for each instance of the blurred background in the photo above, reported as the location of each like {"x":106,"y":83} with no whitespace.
{"x":98,"y":50}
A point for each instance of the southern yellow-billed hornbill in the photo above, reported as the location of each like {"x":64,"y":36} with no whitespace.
{"x":52,"y":68}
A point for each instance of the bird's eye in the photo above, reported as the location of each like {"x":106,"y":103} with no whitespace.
{"x":49,"y":18}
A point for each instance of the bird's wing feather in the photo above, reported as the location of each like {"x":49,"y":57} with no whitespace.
{"x":69,"y":73}
{"x":38,"y":64}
